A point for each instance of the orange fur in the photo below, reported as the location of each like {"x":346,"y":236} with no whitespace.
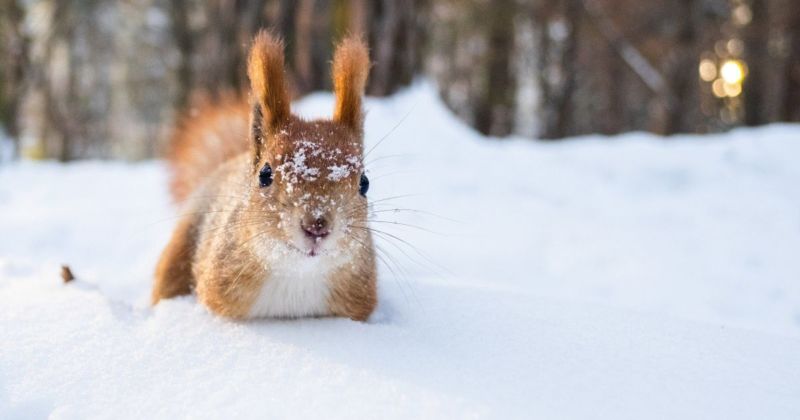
{"x":245,"y":248}
{"x":350,"y":69}
{"x":266,"y":72}
{"x":173,"y":273}
{"x":209,"y":134}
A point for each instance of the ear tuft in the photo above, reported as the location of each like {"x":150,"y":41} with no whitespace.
{"x":350,"y":70}
{"x":267,"y":80}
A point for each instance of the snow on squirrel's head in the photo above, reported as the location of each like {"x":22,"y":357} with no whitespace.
{"x":308,"y":176}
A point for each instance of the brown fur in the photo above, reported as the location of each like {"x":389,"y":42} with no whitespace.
{"x":355,"y":294}
{"x":267,"y":80}
{"x":350,"y":70}
{"x":209,"y":134}
{"x":174,"y":271}
{"x":236,"y":234}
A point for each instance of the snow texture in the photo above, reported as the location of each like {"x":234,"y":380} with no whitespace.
{"x":631,"y":277}
{"x":295,"y":168}
{"x":6,"y":146}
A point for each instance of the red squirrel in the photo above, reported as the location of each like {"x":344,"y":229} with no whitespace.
{"x":275,"y":210}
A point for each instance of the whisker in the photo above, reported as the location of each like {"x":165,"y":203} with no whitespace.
{"x":396,"y":126}
{"x":410,"y":245}
{"x":379,"y":177}
{"x":422,"y":212}
{"x":390,"y":222}
{"x":380,"y":158}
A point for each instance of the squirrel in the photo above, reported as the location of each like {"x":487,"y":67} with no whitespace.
{"x":275,"y":210}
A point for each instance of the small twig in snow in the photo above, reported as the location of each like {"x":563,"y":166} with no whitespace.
{"x":66,"y":274}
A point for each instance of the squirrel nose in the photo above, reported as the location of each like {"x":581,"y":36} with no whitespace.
{"x":316,"y":229}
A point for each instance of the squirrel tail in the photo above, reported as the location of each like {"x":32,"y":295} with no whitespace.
{"x":206,"y":136}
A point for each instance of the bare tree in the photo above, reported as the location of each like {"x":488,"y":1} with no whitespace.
{"x":14,"y":53}
{"x":494,"y":112}
{"x":791,"y":95}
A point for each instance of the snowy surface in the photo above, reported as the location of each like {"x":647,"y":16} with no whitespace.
{"x":6,"y":146}
{"x":631,"y":277}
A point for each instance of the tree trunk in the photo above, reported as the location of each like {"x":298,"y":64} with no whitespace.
{"x":756,"y":39}
{"x":791,"y":96}
{"x":564,"y":101}
{"x":183,"y":36}
{"x":14,"y":50}
{"x":681,"y":71}
{"x":494,"y":113}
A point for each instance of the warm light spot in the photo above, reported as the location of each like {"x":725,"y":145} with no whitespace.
{"x":708,"y":70}
{"x":732,"y":71}
{"x":742,"y":15}
{"x":735,"y":46}
{"x":718,"y":87}
{"x":732,"y":90}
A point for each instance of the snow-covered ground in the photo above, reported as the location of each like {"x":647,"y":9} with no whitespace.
{"x":6,"y":146}
{"x":631,"y":277}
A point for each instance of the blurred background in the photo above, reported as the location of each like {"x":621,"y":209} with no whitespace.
{"x":106,"y":79}
{"x":521,"y":269}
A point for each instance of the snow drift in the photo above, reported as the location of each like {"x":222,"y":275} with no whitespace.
{"x":622,"y":277}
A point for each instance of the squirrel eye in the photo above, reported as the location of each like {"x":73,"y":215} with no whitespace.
{"x":363,"y":185}
{"x":265,"y":176}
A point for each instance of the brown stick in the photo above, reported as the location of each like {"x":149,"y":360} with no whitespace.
{"x":66,"y":274}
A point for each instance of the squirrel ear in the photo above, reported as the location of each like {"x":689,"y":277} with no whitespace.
{"x":267,"y":81}
{"x":350,"y":69}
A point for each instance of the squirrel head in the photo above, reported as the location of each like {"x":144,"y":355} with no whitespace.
{"x":308,"y":176}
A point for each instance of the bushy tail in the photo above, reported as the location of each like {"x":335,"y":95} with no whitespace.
{"x":207,"y":135}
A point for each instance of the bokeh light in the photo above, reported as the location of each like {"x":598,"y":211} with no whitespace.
{"x":742,"y":15}
{"x":736,"y":47}
{"x":718,"y":88}
{"x":732,"y":90}
{"x":708,"y":70}
{"x":732,"y":71}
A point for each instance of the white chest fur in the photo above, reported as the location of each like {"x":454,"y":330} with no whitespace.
{"x":297,"y":286}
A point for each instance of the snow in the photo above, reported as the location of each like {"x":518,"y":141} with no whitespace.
{"x":626,"y":277}
{"x":6,"y":146}
{"x":339,"y":172}
{"x":295,"y":168}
